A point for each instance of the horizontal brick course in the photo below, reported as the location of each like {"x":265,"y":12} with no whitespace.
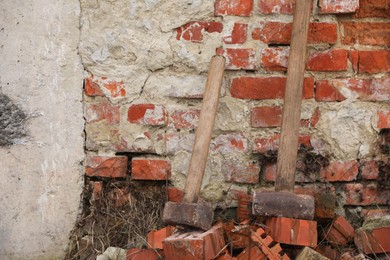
{"x":150,"y":169}
{"x":366,"y":33}
{"x":233,"y":7}
{"x":338,"y":6}
{"x":106,"y":166}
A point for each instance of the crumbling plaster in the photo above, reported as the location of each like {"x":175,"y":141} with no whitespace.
{"x":41,"y":173}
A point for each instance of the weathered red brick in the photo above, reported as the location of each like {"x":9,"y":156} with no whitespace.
{"x":155,"y":237}
{"x":300,"y":176}
{"x":362,"y":89}
{"x":184,"y":118}
{"x":275,"y":58}
{"x":97,"y":189}
{"x":366,"y":33}
{"x":102,"y":111}
{"x":340,"y":171}
{"x":374,"y":61}
{"x":293,"y":231}
{"x":141,"y":254}
{"x":267,"y":116}
{"x":384,"y":119}
{"x":330,"y":60}
{"x":373,"y":240}
{"x":146,"y":114}
{"x":91,"y":88}
{"x":239,"y":171}
{"x":150,"y":169}
{"x":266,"y":144}
{"x":193,"y":31}
{"x":340,"y":232}
{"x":374,"y":8}
{"x":237,"y":59}
{"x":276,"y":6}
{"x":360,"y":194}
{"x":325,"y":91}
{"x":233,"y":7}
{"x":369,"y":169}
{"x":237,"y":35}
{"x":338,"y":6}
{"x":354,"y":59}
{"x":244,"y":209}
{"x":266,"y":88}
{"x":230,"y":143}
{"x":194,"y":245}
{"x":106,"y":166}
{"x":280,"y":33}
{"x":115,"y":88}
{"x":175,"y":194}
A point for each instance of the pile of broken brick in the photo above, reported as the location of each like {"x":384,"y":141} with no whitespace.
{"x":270,"y":238}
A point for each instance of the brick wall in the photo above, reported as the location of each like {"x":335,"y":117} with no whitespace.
{"x":344,"y":115}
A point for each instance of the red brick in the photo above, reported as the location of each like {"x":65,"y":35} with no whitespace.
{"x":366,"y":33}
{"x":102,"y":111}
{"x":146,"y":114}
{"x":374,"y":8}
{"x":280,"y":33}
{"x":115,"y":88}
{"x":106,"y":166}
{"x":92,"y":89}
{"x":233,"y":7}
{"x":330,"y":60}
{"x":369,"y":170}
{"x":383,"y":119}
{"x":240,"y":171}
{"x":374,"y":61}
{"x":272,"y":250}
{"x":237,"y":35}
{"x":155,"y":237}
{"x":193,"y":31}
{"x":237,"y":59}
{"x":359,"y":194}
{"x":340,"y":171}
{"x":230,"y":143}
{"x":373,"y":241}
{"x":175,"y":194}
{"x":266,"y":144}
{"x":194,"y":245}
{"x":266,"y":88}
{"x":237,"y":236}
{"x":338,"y":6}
{"x":276,"y":6}
{"x":340,"y":232}
{"x":252,"y":252}
{"x":293,"y":231}
{"x":184,"y":118}
{"x":362,"y":89}
{"x":300,"y":176}
{"x":141,"y":254}
{"x":225,"y":256}
{"x":150,"y":169}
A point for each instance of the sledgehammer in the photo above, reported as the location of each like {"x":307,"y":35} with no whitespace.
{"x":283,"y":202}
{"x":191,"y":212}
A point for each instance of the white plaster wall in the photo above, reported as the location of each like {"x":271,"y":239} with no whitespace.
{"x":41,"y":175}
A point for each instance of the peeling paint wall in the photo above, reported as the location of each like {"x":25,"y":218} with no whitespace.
{"x":41,"y":121}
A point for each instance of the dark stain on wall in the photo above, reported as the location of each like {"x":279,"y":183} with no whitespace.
{"x":12,"y":122}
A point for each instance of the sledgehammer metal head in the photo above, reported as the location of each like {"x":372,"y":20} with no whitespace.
{"x":195,"y":215}
{"x":282,"y":204}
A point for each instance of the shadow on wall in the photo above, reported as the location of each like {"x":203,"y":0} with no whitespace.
{"x":12,"y":122}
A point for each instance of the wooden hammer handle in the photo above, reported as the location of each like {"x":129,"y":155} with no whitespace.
{"x":288,"y":147}
{"x":205,"y":128}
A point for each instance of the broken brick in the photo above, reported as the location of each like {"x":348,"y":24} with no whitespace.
{"x":340,"y":232}
{"x":244,"y":207}
{"x":175,"y":194}
{"x":156,"y":237}
{"x":293,"y":231}
{"x":193,"y":245}
{"x":146,"y":114}
{"x":373,"y":240}
{"x":106,"y":166}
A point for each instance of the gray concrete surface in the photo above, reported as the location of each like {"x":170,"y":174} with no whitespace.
{"x":41,"y":115}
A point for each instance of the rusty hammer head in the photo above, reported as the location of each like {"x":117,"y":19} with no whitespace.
{"x":282,"y":204}
{"x":195,"y":215}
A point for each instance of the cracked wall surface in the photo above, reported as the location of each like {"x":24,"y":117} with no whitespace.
{"x":41,"y":122}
